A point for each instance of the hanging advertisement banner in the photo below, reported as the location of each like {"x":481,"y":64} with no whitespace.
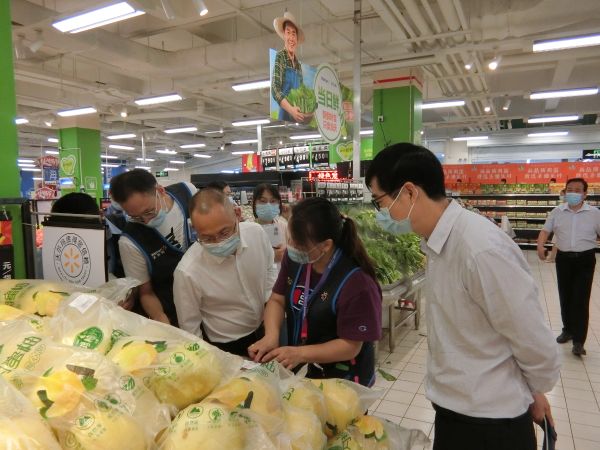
{"x":329,"y":113}
{"x":250,"y":163}
{"x":47,"y":188}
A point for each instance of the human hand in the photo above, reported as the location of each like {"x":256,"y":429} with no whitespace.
{"x":297,"y":115}
{"x":288,"y":357}
{"x":541,"y":253}
{"x":540,"y":408}
{"x":128,"y":303}
{"x":279,"y":251}
{"x":259,"y":349}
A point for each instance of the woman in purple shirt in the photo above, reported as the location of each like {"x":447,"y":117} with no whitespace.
{"x":328,"y":293}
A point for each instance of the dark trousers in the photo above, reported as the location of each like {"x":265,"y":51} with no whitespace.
{"x":240,"y":346}
{"x":455,"y":431}
{"x":575,"y":274}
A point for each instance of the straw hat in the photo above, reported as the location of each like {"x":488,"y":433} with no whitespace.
{"x":287,"y":17}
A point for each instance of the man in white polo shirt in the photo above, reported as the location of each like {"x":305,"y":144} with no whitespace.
{"x":223,"y":281}
{"x":576,"y":226}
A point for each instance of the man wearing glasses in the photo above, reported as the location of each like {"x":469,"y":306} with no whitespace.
{"x":491,"y":355}
{"x":155,"y":238}
{"x":223,"y":281}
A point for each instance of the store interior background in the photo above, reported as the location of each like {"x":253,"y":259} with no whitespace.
{"x":171,"y":48}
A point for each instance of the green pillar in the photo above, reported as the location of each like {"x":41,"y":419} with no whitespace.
{"x":9,"y":172}
{"x":80,"y":160}
{"x":398,"y":103}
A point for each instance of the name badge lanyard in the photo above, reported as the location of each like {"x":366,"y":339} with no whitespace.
{"x":309,"y":296}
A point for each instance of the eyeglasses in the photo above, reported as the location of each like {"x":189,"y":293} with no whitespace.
{"x":222,"y":236}
{"x":375,"y":200}
{"x":148,"y":215}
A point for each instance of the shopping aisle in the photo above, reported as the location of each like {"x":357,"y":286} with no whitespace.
{"x":575,"y":400}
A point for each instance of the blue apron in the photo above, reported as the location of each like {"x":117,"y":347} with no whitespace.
{"x":291,"y":80}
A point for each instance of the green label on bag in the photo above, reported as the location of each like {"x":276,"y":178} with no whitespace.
{"x":90,"y":338}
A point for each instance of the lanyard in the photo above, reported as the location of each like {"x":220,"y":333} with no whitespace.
{"x":309,"y":296}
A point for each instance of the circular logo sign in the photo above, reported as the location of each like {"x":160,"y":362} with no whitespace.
{"x":72,"y":259}
{"x":329,"y":98}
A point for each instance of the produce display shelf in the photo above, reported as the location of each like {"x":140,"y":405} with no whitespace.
{"x":527,"y":229}
{"x":520,"y":218}
{"x":409,"y":290}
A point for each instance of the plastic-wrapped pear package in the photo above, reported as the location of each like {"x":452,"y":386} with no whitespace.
{"x":21,"y":427}
{"x":302,"y":394}
{"x":374,"y":433}
{"x":258,"y":391}
{"x":178,"y":367}
{"x":303,"y":429}
{"x":210,"y":425}
{"x":345,"y":402}
{"x":44,"y":297}
{"x":89,"y":402}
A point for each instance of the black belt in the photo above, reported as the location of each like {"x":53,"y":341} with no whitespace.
{"x":478,"y":420}
{"x":577,"y":254}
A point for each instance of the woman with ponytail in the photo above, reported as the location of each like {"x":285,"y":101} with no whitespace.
{"x":328,"y":294}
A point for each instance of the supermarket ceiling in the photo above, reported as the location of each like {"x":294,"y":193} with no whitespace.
{"x":172,"y":48}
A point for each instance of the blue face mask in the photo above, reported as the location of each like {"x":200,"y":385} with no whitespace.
{"x":161,"y":215}
{"x":573,"y":198}
{"x":300,"y":257}
{"x":391,"y":225}
{"x":267,"y":211}
{"x":224,"y":248}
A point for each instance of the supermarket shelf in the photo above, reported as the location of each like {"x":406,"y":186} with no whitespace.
{"x":521,"y":218}
{"x":527,"y":229}
{"x":514,"y":195}
{"x":513,"y":206}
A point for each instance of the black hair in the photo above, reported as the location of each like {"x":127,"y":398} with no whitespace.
{"x":399,"y":163}
{"x":578,"y":180}
{"x":316,"y":219}
{"x":75,"y":203}
{"x":552,"y":180}
{"x":258,"y":191}
{"x":503,"y":180}
{"x":135,"y":181}
{"x":217,"y":185}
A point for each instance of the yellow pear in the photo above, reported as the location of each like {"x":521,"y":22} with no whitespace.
{"x":10,"y":313}
{"x":343,"y":404}
{"x":304,"y":429}
{"x":108,"y":429}
{"x":206,"y":426}
{"x":305,"y":395}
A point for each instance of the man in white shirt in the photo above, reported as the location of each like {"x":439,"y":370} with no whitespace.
{"x":491,"y":354}
{"x":576,"y":227}
{"x":225,"y":278}
{"x":155,"y":238}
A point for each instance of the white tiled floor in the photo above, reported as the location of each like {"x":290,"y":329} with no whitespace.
{"x":575,"y":400}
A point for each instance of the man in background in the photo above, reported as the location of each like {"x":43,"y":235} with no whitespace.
{"x":576,"y":226}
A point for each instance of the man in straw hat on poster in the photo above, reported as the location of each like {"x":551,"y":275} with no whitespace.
{"x":287,"y":73}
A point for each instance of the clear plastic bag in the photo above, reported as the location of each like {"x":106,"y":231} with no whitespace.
{"x":212,"y":426}
{"x":21,"y":427}
{"x":345,"y":402}
{"x":179,"y":372}
{"x":374,"y":433}
{"x":44,"y":297}
{"x":88,"y":400}
{"x":303,"y":394}
{"x":258,"y":391}
{"x":304,"y":429}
